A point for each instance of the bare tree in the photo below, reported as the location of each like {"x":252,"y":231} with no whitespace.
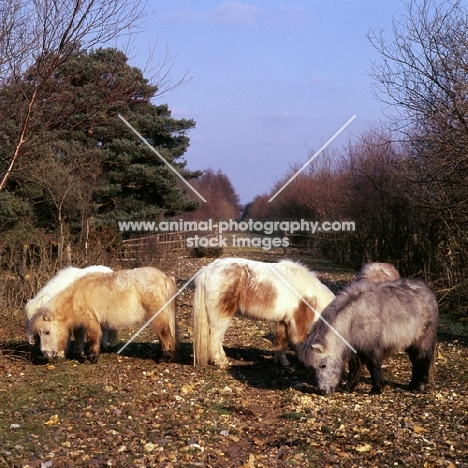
{"x":423,"y":74}
{"x":41,"y":35}
{"x":222,"y":198}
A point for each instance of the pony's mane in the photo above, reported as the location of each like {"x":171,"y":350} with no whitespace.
{"x":337,"y":307}
{"x":379,"y":274}
{"x":35,"y":320}
{"x":59,"y":276}
{"x":296,"y":265}
{"x":350,"y":294}
{"x":59,"y":282}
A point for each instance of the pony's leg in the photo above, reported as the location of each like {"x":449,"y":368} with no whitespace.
{"x":421,"y":362}
{"x":167,"y":341}
{"x":218,"y":330}
{"x":354,"y":368}
{"x":109,"y":338}
{"x":80,"y":337}
{"x":113,"y":337}
{"x":298,"y":325}
{"x":93,"y":335}
{"x":105,"y":338}
{"x":282,"y":342}
{"x":374,"y":365}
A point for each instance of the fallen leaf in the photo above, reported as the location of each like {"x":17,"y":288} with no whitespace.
{"x":250,"y":462}
{"x":258,"y":442}
{"x":363,"y":448}
{"x":418,"y":428}
{"x":54,"y":419}
{"x":149,"y":447}
{"x":186,"y":389}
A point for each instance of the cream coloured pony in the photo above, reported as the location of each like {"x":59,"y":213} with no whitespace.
{"x":58,"y":283}
{"x":115,"y":300}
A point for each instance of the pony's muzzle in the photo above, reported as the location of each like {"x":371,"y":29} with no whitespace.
{"x":49,"y":354}
{"x":53,"y":354}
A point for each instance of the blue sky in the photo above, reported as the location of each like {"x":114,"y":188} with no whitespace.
{"x":270,"y":81}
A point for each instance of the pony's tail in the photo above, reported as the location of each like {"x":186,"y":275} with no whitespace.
{"x":171,"y":311}
{"x":201,"y":330}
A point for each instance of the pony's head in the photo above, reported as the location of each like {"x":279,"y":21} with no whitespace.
{"x":53,"y":334}
{"x":328,"y":367}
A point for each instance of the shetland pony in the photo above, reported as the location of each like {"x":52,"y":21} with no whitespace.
{"x":117,"y":300}
{"x":285,"y":292}
{"x":59,"y":282}
{"x":378,"y":273}
{"x":376,"y":320}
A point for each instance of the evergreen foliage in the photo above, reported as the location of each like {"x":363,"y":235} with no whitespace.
{"x":81,"y":165}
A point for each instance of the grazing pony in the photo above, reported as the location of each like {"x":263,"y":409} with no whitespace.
{"x":378,"y":273}
{"x":376,"y":320}
{"x":117,"y":300}
{"x":285,"y":292}
{"x":58,"y":283}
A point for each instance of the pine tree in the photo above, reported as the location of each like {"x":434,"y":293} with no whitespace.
{"x":82,"y":162}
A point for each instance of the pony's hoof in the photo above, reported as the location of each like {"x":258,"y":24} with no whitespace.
{"x":166,"y":356}
{"x":375,"y":391}
{"x":92,"y":359}
{"x":417,"y":388}
{"x":222,"y":364}
{"x":281,"y":360}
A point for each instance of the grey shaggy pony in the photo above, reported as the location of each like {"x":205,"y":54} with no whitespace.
{"x":377,"y":320}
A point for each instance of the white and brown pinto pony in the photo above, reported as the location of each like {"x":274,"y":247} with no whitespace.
{"x":116,"y":300}
{"x":285,"y":292}
{"x":58,"y":283}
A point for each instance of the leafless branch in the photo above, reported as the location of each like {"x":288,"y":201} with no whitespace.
{"x":41,"y":35}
